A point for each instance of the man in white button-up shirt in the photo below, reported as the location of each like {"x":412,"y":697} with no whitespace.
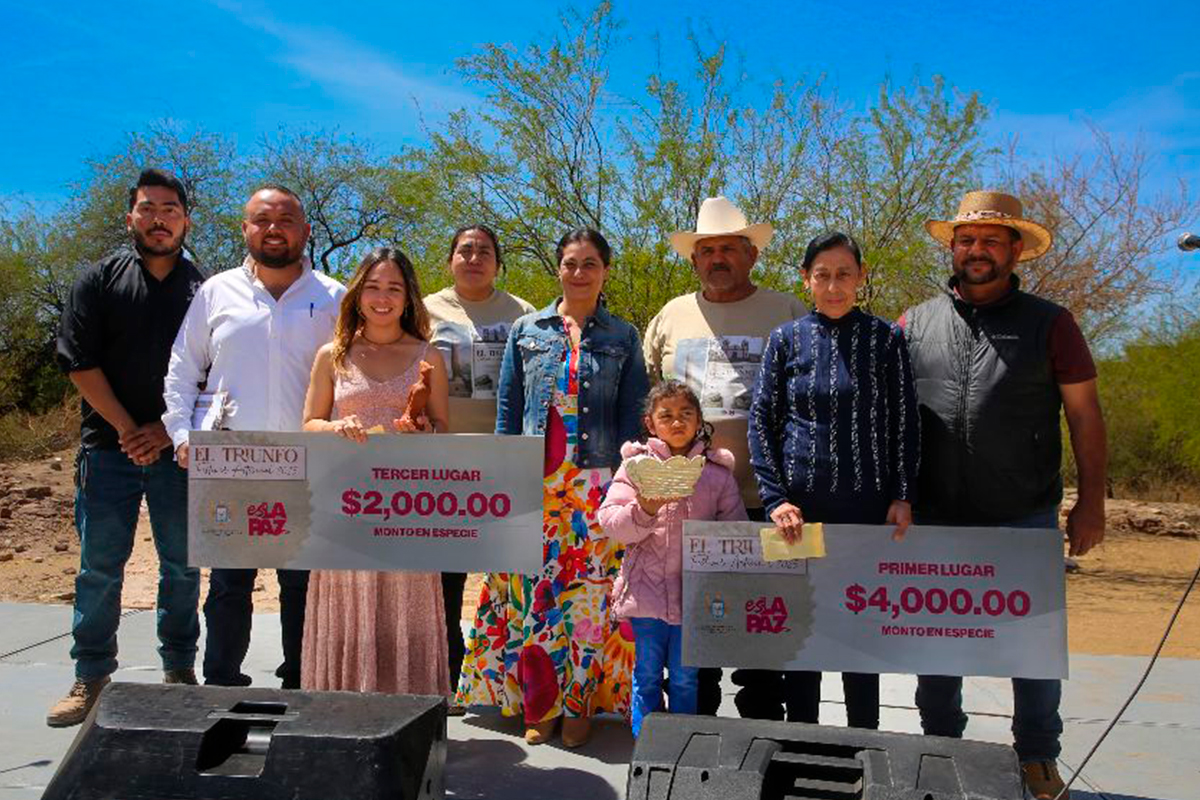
{"x":253,"y":332}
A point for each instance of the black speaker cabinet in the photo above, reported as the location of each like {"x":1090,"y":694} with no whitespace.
{"x":145,"y":741}
{"x":709,"y":758}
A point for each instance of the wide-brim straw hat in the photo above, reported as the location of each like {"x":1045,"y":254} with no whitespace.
{"x":719,"y":217}
{"x":993,"y":208}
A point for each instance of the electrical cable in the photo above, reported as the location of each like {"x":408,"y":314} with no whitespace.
{"x":56,"y":637}
{"x":1124,"y":706}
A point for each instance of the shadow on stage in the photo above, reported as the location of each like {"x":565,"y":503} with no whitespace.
{"x":481,"y":766}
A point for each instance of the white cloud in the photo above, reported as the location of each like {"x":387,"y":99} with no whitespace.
{"x":1164,"y":121}
{"x":1166,"y":118}
{"x":350,"y":69}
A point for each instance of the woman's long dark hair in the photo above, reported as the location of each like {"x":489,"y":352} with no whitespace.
{"x":828,"y":241}
{"x":588,"y":235}
{"x":595,"y":239}
{"x":486,"y":231}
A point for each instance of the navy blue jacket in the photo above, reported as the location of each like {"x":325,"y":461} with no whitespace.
{"x":834,"y":425}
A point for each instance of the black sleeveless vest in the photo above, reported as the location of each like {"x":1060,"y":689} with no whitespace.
{"x":991,"y":443}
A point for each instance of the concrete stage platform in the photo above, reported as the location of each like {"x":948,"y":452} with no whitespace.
{"x":1153,"y":754}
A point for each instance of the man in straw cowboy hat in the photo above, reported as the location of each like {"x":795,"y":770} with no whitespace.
{"x":994,"y":366}
{"x":713,"y":340}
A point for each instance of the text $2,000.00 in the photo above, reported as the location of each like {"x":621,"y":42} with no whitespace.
{"x":425,"y":504}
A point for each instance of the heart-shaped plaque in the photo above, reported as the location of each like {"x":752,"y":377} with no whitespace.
{"x":662,"y":480}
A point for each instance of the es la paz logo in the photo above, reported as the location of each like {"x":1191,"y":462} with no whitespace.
{"x":266,"y":519}
{"x":765,"y":615}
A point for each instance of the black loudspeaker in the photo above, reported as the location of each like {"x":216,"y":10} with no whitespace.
{"x":710,"y":758}
{"x":145,"y":741}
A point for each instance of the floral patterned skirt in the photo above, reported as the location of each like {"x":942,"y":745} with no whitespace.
{"x":546,"y":645}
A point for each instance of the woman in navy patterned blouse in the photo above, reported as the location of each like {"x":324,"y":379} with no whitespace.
{"x":834,"y":438}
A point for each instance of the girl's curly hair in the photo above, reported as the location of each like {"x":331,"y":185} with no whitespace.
{"x":673,"y":388}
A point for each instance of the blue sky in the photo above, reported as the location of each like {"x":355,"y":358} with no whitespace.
{"x":78,"y":76}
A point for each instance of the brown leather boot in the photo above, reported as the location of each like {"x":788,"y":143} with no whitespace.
{"x":1042,"y":780}
{"x":576,"y":731}
{"x":540,"y":732}
{"x":186,"y":677}
{"x":73,"y":709}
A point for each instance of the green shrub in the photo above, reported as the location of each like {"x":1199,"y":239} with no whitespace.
{"x":1151,"y":400}
{"x":25,"y":436}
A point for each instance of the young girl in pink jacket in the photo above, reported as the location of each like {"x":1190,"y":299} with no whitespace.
{"x":649,"y":588}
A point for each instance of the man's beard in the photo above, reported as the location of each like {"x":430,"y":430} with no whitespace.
{"x":993,"y":274}
{"x":286,"y":259}
{"x":146,"y":248}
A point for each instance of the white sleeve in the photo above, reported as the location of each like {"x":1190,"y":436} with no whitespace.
{"x":190,"y":360}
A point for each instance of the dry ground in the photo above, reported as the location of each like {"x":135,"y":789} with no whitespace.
{"x":1118,"y":601}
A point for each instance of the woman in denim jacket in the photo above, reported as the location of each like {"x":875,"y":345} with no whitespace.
{"x":547,"y":646}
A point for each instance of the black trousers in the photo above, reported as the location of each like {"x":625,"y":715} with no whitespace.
{"x":452,"y":596}
{"x":796,"y":696}
{"x":228,"y":612}
{"x":708,"y":691}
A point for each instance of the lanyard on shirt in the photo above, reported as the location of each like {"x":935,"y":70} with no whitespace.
{"x":570,"y":353}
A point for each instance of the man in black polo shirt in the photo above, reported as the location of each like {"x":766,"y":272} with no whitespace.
{"x":114,"y":341}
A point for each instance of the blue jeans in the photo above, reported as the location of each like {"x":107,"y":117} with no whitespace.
{"x":658,"y":644}
{"x":108,"y":495}
{"x":1036,"y":724}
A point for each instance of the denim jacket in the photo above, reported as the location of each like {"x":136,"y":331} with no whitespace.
{"x":612,"y":381}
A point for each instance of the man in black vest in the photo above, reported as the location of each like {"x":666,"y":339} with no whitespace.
{"x":994,"y":367}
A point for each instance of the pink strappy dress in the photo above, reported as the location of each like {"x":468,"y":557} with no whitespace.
{"x":367,"y":631}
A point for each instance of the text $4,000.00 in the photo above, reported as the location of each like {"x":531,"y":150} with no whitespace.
{"x":915,"y":600}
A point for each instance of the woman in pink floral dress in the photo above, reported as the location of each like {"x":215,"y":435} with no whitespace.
{"x":369,"y":631}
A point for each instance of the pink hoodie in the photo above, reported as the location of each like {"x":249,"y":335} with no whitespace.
{"x":651,"y":579}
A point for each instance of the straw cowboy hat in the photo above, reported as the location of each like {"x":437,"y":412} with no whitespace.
{"x":719,"y":217}
{"x":993,"y":208}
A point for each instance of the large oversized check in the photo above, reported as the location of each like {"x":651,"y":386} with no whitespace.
{"x":945,"y":601}
{"x":452,"y":503}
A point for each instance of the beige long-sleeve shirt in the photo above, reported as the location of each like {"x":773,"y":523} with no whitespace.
{"x":716,"y":349}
